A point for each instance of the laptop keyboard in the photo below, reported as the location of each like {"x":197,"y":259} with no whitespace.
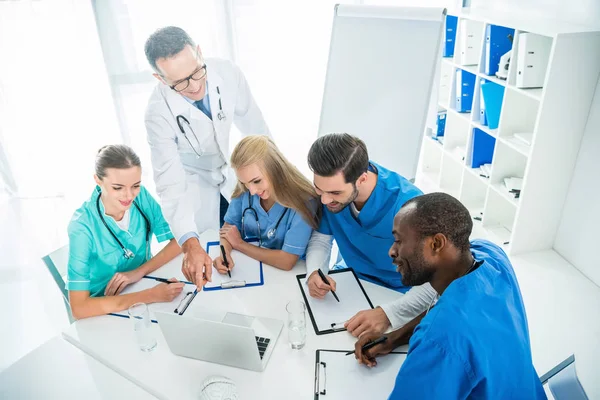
{"x":262,"y":344}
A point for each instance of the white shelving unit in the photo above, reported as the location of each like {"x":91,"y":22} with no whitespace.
{"x":554,"y":116}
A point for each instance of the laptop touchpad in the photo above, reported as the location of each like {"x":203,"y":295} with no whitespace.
{"x":238,"y":319}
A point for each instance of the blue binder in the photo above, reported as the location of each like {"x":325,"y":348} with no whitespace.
{"x":482,"y":118}
{"x":492,"y":94}
{"x":465,"y":85}
{"x":498,"y":41}
{"x":483,"y":148}
{"x":450,"y":35}
{"x":440,"y":123}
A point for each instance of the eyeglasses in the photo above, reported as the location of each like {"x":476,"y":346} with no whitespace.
{"x":197,"y":75}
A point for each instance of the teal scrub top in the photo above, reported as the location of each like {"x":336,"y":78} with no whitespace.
{"x":94,"y":254}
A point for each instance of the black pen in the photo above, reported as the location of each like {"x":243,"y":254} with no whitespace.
{"x":225,"y":262}
{"x":370,"y":344}
{"x":324,"y":278}
{"x":163,"y":280}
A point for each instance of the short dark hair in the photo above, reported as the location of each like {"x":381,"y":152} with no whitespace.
{"x":441,"y":213}
{"x":115,"y":156}
{"x":165,"y":43}
{"x":337,"y":152}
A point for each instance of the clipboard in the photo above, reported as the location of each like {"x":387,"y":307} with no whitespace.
{"x":338,"y":376}
{"x":247,"y":272}
{"x":331,"y":315}
{"x":179,"y":305}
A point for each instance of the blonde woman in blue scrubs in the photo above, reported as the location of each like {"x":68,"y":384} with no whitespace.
{"x":272,"y":203}
{"x":109,"y":240}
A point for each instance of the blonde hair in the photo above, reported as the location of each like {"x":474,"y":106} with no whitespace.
{"x":290,"y":188}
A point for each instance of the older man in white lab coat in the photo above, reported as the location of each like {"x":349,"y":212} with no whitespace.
{"x":188,"y":121}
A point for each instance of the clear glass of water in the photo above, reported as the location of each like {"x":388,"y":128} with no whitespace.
{"x":142,"y":325}
{"x":296,"y":324}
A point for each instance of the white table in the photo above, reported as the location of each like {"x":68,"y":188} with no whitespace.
{"x":57,"y":370}
{"x":289,"y":373}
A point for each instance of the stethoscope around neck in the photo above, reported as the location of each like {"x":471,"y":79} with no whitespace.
{"x":180,"y":118}
{"x":128,"y":254}
{"x":271,"y":232}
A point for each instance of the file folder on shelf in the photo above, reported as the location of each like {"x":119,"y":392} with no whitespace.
{"x":440,"y":123}
{"x":498,"y":41}
{"x":483,"y":148}
{"x":492,"y":94}
{"x":470,"y":42}
{"x":533,"y":54}
{"x":482,"y":119}
{"x":465,"y":85}
{"x":450,"y":35}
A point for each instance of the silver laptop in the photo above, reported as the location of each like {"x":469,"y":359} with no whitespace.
{"x":221,"y":337}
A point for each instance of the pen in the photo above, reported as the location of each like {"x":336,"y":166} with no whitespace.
{"x":324,"y":278}
{"x":225,"y":260}
{"x":370,"y":344}
{"x":163,"y":280}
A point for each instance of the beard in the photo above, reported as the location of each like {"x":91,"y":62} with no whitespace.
{"x":418,"y":271}
{"x":339,"y":206}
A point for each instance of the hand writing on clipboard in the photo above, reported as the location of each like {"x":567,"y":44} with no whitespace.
{"x":371,"y":345}
{"x":317,"y":287}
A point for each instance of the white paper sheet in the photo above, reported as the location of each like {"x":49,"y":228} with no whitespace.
{"x":246,"y":269}
{"x":327,"y":311}
{"x":343,"y":377}
{"x":147,"y":283}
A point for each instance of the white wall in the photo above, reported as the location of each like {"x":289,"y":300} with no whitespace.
{"x":576,"y":239}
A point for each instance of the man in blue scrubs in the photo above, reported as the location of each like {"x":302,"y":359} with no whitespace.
{"x":360,"y":199}
{"x":475,"y":342}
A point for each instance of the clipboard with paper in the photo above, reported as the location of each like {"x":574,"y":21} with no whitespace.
{"x":338,"y":376}
{"x":246,"y":273}
{"x":178,"y":306}
{"x":328,"y":315}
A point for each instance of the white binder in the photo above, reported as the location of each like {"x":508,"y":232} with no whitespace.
{"x":470,"y":42}
{"x":533,"y":54}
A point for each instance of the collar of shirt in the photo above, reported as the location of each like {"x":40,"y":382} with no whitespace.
{"x":204,"y":100}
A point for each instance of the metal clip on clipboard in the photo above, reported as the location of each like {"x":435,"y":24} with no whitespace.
{"x":233,"y":284}
{"x":185,"y":302}
{"x":318,"y":379}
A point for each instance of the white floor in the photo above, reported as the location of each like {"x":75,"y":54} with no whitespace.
{"x":562,"y":304}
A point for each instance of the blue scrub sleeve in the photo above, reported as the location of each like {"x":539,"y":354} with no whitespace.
{"x":233,"y":216}
{"x":160,"y":227}
{"x":324,"y":227}
{"x":297,"y":236}
{"x":432,"y":372}
{"x":80,"y":254}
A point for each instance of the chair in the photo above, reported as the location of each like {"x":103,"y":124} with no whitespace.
{"x":563,"y":382}
{"x":57,"y":263}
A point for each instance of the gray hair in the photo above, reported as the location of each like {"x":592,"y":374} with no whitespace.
{"x":116,"y":156}
{"x":165,"y":43}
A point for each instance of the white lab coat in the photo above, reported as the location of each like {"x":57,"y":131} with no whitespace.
{"x":189,"y":193}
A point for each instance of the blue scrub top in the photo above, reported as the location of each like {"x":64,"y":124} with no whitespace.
{"x":364,"y":243}
{"x":291,"y":236}
{"x":95,"y":256}
{"x":474,"y":344}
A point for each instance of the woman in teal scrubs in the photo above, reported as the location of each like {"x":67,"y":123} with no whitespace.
{"x":109,"y":239}
{"x":273,"y":203}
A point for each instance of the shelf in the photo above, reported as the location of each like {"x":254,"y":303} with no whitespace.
{"x":469,"y":68}
{"x":443,"y":106}
{"x":501,"y":190}
{"x":535,"y":93}
{"x":516,"y":144}
{"x":465,"y":116}
{"x":492,"y":78}
{"x":500,"y":233}
{"x":477,"y":173}
{"x":486,"y":129}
